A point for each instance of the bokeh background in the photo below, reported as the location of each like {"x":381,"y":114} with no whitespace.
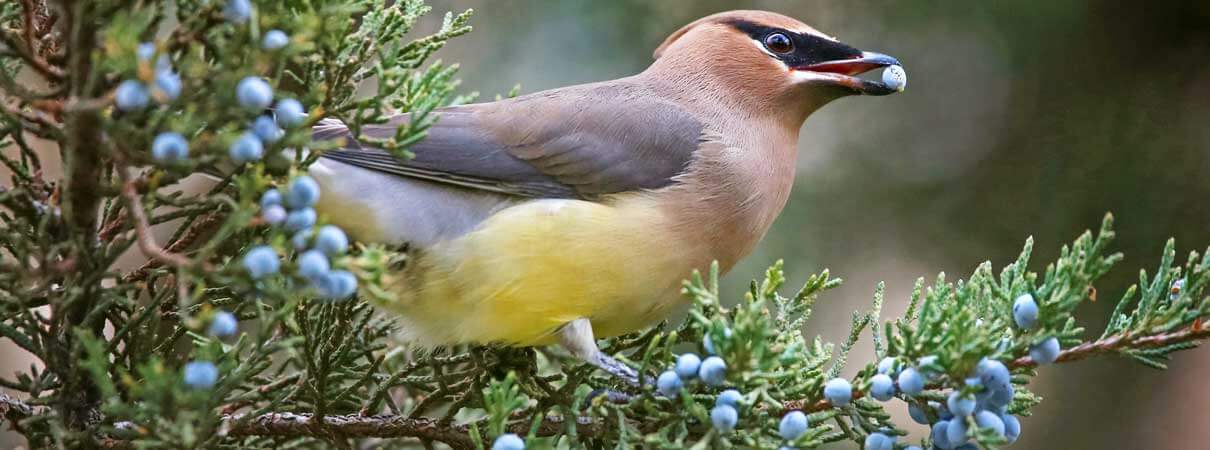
{"x":1030,"y":117}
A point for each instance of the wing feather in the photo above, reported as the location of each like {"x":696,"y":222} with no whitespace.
{"x":573,"y":143}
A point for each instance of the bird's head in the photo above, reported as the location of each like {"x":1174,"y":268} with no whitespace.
{"x":772,"y":59}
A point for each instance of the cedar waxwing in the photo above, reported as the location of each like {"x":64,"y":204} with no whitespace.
{"x":575,"y":213}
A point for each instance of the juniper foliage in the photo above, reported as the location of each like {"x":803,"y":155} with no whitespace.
{"x":111,"y":341}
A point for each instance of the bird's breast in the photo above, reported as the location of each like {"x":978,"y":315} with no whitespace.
{"x":729,"y":198}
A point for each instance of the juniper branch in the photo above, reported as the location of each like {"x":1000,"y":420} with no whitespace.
{"x":1195,"y":333}
{"x":288,"y":424}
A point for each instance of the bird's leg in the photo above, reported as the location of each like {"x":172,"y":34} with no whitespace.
{"x":576,"y":336}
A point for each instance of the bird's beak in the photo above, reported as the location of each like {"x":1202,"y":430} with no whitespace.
{"x":843,"y":72}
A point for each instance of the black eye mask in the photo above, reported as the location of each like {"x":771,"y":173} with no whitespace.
{"x":808,"y":48}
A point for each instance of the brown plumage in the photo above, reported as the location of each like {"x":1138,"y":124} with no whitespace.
{"x":582,"y":207}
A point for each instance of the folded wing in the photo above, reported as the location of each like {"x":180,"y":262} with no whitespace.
{"x":581,"y":143}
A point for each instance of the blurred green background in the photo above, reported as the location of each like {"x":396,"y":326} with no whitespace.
{"x":1020,"y":118}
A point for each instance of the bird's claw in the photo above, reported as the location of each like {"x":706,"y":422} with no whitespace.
{"x":618,"y":369}
{"x":608,"y":395}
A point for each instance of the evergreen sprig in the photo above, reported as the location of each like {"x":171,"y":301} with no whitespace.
{"x":224,"y":337}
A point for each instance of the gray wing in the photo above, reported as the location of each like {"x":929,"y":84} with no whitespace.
{"x":558,"y":144}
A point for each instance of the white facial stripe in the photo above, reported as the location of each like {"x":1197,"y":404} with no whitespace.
{"x":803,"y":76}
{"x":762,"y":48}
{"x":814,"y":32}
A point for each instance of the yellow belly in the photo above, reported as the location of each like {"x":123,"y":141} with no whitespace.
{"x":533,"y":267}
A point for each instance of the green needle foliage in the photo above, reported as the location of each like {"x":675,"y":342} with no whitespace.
{"x":129,"y":356}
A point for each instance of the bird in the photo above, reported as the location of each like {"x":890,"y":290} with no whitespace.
{"x":567,"y":215}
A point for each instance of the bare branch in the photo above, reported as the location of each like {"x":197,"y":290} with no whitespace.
{"x":351,"y":425}
{"x":24,"y":46}
{"x":288,"y":424}
{"x":36,"y":122}
{"x":146,"y":241}
{"x":195,"y":231}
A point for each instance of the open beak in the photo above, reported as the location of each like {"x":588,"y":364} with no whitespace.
{"x":843,"y":72}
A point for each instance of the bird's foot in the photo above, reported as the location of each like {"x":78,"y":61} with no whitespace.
{"x":576,"y":336}
{"x":617,"y":369}
{"x":608,"y":395}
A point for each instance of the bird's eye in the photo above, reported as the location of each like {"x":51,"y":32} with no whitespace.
{"x":779,"y":43}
